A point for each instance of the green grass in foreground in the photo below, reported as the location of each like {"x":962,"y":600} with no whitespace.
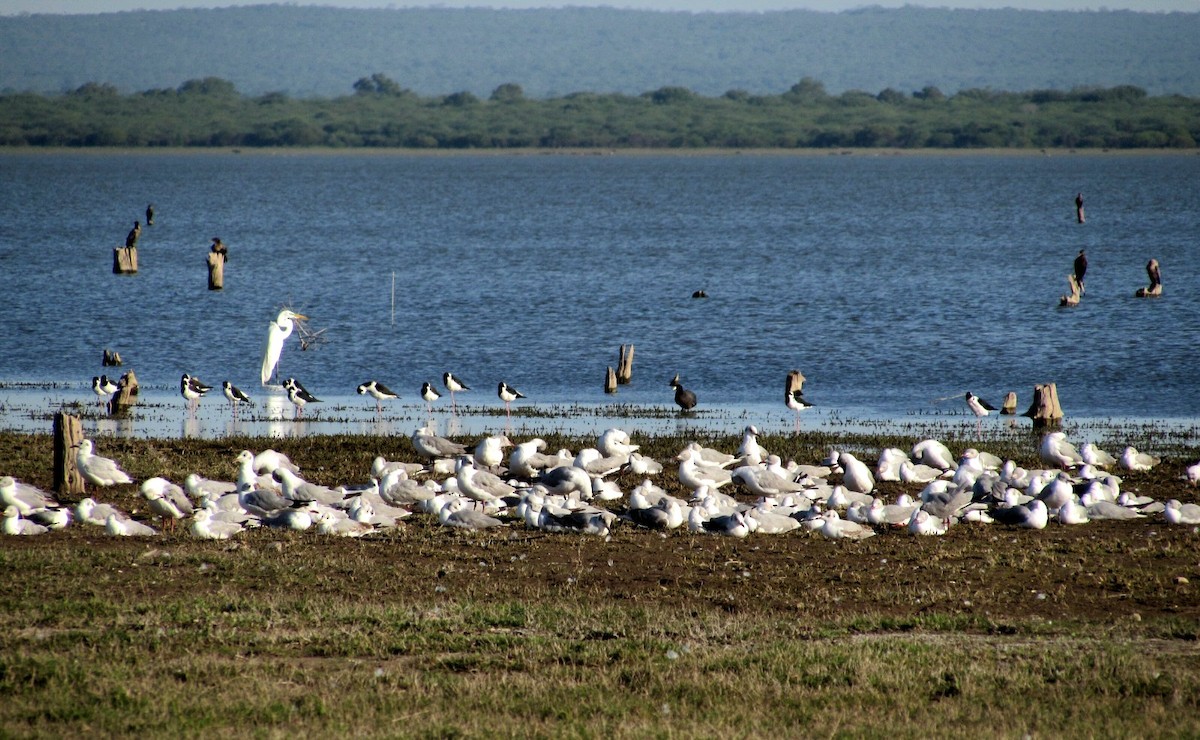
{"x":234,"y":652}
{"x":424,"y":632}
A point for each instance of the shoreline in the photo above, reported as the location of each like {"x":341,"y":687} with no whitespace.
{"x":593,"y":152}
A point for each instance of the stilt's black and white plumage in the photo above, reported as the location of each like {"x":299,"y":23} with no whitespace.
{"x":797,"y":402}
{"x":378,"y":391}
{"x":685,"y":399}
{"x":192,"y":389}
{"x":508,"y":394}
{"x":103,"y":387}
{"x":979,"y":407}
{"x":453,"y":385}
{"x":298,"y":395}
{"x":430,"y":394}
{"x":235,"y":395}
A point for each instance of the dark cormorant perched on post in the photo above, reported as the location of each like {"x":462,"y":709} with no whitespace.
{"x":150,"y":215}
{"x":1080,"y":268}
{"x":218,"y":247}
{"x":134,"y":233}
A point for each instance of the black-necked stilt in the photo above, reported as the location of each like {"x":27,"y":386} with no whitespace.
{"x":378,"y":391}
{"x":298,"y":395}
{"x":453,"y":385}
{"x":235,"y":395}
{"x":980,"y":408}
{"x":508,"y":394}
{"x":192,"y":389}
{"x":797,"y":402}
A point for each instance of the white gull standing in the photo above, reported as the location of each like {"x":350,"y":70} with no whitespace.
{"x":856,"y":476}
{"x":1057,"y":451}
{"x":166,"y":500}
{"x":429,"y":445}
{"x":97,"y":470}
{"x":489,"y":451}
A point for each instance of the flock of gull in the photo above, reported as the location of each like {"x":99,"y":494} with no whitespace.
{"x":489,"y":486}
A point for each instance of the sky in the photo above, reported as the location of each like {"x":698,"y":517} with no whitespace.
{"x":13,"y":7}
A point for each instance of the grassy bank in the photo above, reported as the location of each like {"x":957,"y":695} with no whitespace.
{"x":1086,"y":630}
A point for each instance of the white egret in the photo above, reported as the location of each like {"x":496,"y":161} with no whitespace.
{"x":277,"y":331}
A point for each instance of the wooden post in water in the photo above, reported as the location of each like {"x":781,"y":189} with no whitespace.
{"x":795,"y":382}
{"x":1009,"y":407}
{"x":610,"y":381}
{"x":216,"y":271}
{"x":1072,"y":298}
{"x":625,"y":365}
{"x":127,"y":391}
{"x":111,"y":358}
{"x":68,"y":433}
{"x":125,"y":260}
{"x":1044,"y":409}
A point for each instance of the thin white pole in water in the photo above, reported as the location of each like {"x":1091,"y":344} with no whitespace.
{"x":393,"y":297}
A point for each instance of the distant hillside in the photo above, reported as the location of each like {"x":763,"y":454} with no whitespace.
{"x":306,"y":51}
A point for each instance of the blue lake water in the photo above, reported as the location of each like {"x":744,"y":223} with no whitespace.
{"x":895,"y":283}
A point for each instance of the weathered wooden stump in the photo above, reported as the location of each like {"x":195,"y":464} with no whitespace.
{"x":68,"y":434}
{"x":125,"y":260}
{"x":1009,"y":407}
{"x":1044,"y":409}
{"x":1072,"y":298}
{"x":795,"y":382}
{"x":127,"y":391}
{"x":625,"y":364}
{"x":216,"y":270}
{"x":610,"y":380}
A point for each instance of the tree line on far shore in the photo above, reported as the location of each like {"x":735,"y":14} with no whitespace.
{"x":380,"y":112}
